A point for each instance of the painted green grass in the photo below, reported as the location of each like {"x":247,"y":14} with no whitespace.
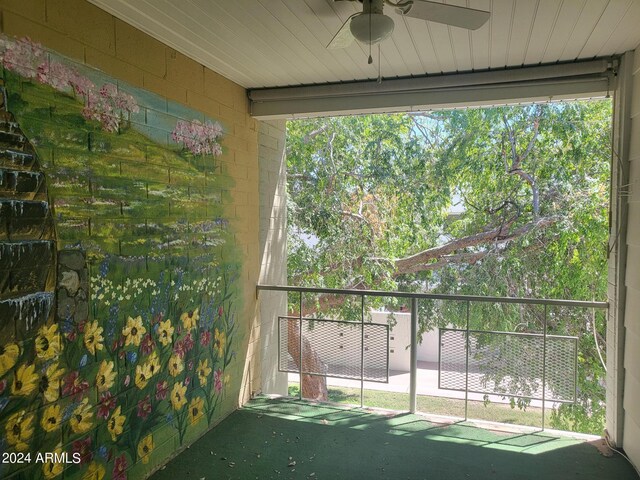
{"x":493,"y":412}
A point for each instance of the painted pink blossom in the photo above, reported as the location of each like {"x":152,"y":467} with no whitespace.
{"x":144,"y":407}
{"x":162,"y":390}
{"x":147,"y":344}
{"x":109,"y":106}
{"x":81,"y":85}
{"x":120,"y":468}
{"x":83,"y":447}
{"x":106,"y":403}
{"x":205,"y":338}
{"x":197,"y":137}
{"x":74,"y":385}
{"x":217,"y":380}
{"x":23,"y":57}
{"x":56,"y":75}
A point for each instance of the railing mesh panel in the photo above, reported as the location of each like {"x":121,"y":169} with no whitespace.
{"x":506,"y":363}
{"x":335,"y":348}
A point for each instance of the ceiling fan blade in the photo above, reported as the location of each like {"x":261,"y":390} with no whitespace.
{"x":463,"y":17}
{"x":344,"y":37}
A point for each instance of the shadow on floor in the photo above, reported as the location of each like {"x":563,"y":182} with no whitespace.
{"x":285,"y":438}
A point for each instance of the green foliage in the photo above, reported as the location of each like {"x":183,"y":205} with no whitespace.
{"x":365,"y":191}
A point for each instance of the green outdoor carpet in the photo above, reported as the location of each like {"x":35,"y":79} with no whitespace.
{"x":285,"y":438}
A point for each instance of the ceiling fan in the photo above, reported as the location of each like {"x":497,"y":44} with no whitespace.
{"x":372,"y":26}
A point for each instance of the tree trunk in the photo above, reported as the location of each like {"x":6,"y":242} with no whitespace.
{"x":313,"y":387}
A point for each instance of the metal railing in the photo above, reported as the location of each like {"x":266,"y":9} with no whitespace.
{"x":543,"y":343}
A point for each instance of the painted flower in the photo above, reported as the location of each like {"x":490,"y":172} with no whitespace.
{"x":196,"y":410}
{"x":48,"y":342}
{"x":203,"y":371}
{"x":133,"y":331}
{"x":8,"y":357}
{"x":205,"y":338}
{"x":187,"y":342}
{"x":74,"y":385}
{"x":153,"y":364}
{"x":217,"y":380}
{"x":106,"y":403}
{"x":93,"y":337}
{"x":50,"y":382}
{"x":178,"y":396}
{"x":115,"y":425}
{"x":176,"y":365}
{"x":162,"y":389}
{"x":80,"y":420}
{"x":190,"y":319}
{"x":25,"y":381}
{"x":95,"y":471}
{"x":143,"y":374}
{"x":144,"y":407}
{"x":83,"y":447}
{"x":105,"y":377}
{"x":165,"y":332}
{"x":145,"y":447}
{"x":53,"y":469}
{"x":220,"y":338}
{"x":120,"y":468}
{"x":147,"y":344}
{"x":19,"y":430}
{"x":51,"y":418}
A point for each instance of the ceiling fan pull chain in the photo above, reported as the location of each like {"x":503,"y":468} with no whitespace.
{"x":379,"y":67}
{"x":370,"y":61}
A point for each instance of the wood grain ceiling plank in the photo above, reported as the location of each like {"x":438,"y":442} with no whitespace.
{"x":589,"y":18}
{"x":153,"y":20}
{"x":570,"y":11}
{"x":501,"y":20}
{"x":286,"y":22}
{"x":617,"y":19}
{"x":524,"y":16}
{"x":284,"y":54}
{"x":547,"y":17}
{"x":442,"y":46}
{"x":208,"y":27}
{"x":480,"y":38}
{"x":424,"y":46}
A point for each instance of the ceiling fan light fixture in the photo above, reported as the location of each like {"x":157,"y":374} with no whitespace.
{"x":371,"y":28}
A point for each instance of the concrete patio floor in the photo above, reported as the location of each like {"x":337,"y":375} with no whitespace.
{"x":285,"y":438}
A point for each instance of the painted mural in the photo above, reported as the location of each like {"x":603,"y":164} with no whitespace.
{"x":118,"y":273}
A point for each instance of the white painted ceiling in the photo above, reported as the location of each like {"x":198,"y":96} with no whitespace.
{"x":269,"y":43}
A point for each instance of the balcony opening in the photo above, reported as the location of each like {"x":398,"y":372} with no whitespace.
{"x":492,"y":223}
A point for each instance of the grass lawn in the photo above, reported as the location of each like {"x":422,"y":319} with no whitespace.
{"x":494,"y":412}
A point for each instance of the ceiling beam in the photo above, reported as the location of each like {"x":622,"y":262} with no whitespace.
{"x":586,"y":79}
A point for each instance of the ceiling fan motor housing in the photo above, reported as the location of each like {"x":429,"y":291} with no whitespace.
{"x":371,"y":26}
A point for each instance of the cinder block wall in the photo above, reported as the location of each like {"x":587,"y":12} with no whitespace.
{"x":88,"y":35}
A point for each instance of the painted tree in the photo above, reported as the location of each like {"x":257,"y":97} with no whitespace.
{"x":508,"y":201}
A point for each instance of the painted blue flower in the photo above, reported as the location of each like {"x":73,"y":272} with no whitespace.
{"x":3,"y":403}
{"x":169,"y":418}
{"x":69,"y":411}
{"x":83,"y":360}
{"x":103,"y":451}
{"x":132,"y":357}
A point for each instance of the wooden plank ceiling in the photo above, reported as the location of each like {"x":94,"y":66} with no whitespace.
{"x":269,"y":43}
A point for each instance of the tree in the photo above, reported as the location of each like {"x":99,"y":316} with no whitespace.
{"x":531,"y":187}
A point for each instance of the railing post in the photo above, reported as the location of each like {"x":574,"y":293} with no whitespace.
{"x":300,"y":339}
{"x":362,"y":351}
{"x":466,"y":367}
{"x":544,"y":366}
{"x":414,"y":356}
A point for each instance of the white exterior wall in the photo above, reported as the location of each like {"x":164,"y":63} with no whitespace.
{"x":631,"y":402}
{"x":400,"y":339}
{"x":273,"y":250}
